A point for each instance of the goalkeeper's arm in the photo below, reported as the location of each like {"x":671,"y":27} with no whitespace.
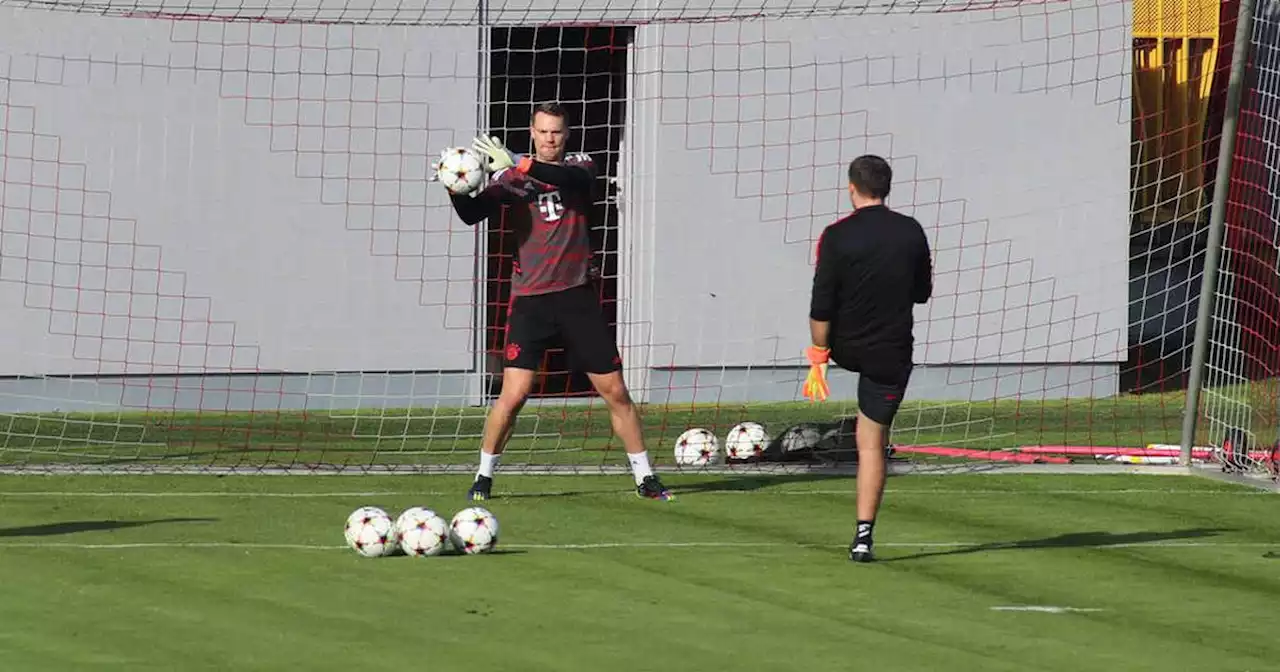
{"x":822,"y":308}
{"x":565,"y":176}
{"x":820,"y":333}
{"x":472,"y":210}
{"x":826,"y":289}
{"x":922,"y":282}
{"x":577,"y":173}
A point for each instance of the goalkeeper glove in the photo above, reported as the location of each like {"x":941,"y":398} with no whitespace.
{"x":500,"y":158}
{"x":815,"y":384}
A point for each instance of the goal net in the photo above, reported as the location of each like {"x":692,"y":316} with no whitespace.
{"x":1242,"y":399}
{"x":218,"y":247}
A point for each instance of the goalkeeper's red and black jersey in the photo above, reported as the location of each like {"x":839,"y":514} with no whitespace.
{"x":548,"y":206}
{"x":872,"y":267}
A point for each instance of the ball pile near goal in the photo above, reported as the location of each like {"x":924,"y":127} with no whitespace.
{"x":699,"y":447}
{"x":420,"y":532}
{"x":745,"y":441}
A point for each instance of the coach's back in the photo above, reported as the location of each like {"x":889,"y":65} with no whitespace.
{"x":873,"y":267}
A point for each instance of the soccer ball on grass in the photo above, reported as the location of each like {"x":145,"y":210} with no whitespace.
{"x":697,"y":447}
{"x":745,"y":441}
{"x":799,"y":438}
{"x":421,"y":532}
{"x":371,"y":532}
{"x":474,"y":530}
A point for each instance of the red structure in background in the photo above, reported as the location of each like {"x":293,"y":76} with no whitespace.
{"x":1252,"y":258}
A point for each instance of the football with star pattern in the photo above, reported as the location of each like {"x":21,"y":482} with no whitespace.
{"x":474,"y":530}
{"x":422,"y":532}
{"x":371,"y":532}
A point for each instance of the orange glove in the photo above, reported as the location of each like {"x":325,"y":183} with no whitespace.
{"x":815,"y":384}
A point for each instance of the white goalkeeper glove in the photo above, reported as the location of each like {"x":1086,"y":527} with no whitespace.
{"x":500,"y":158}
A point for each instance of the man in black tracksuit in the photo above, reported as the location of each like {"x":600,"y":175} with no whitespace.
{"x":872,"y":268}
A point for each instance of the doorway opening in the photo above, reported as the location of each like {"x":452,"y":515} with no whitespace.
{"x":585,"y":70}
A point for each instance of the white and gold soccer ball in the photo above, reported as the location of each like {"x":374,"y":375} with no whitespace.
{"x":697,"y":447}
{"x":745,"y":440}
{"x":460,"y":170}
{"x":371,"y":532}
{"x":422,"y":532}
{"x":474,"y":530}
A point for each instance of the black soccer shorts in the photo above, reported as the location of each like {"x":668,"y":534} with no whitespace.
{"x":570,"y":317}
{"x":880,"y":387}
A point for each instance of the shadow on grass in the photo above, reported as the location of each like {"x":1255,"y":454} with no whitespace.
{"x":455,"y":553}
{"x":72,"y":527}
{"x":748,"y":483}
{"x":622,"y":484}
{"x":1072,"y":540}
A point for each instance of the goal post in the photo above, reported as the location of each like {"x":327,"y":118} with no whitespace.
{"x":1237,"y":356}
{"x":218,"y":247}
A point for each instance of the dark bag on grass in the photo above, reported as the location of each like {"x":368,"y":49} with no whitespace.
{"x":817,"y":443}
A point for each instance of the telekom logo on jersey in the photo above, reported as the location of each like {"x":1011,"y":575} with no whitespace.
{"x":550,"y":205}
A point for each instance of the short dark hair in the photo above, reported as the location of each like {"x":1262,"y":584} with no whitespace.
{"x":553,"y":109}
{"x":871,"y":175}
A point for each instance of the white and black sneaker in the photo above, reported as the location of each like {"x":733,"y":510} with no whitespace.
{"x":860,"y":551}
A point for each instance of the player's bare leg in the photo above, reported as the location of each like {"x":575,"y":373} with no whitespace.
{"x":869,"y":437}
{"x":498,"y":426}
{"x":625,"y":419}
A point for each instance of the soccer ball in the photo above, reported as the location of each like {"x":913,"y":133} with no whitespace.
{"x":421,"y":532}
{"x":745,"y":441}
{"x":697,"y":447}
{"x":371,"y":532}
{"x":460,"y":170}
{"x":800,"y":437}
{"x":474,"y":530}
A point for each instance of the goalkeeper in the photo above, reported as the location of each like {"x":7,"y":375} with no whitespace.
{"x":872,"y":267}
{"x":549,"y":196}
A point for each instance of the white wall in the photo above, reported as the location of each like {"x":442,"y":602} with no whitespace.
{"x":1009,"y":135}
{"x":216,"y":196}
{"x":195,"y":196}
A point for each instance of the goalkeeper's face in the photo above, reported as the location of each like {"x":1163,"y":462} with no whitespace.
{"x":549,"y":137}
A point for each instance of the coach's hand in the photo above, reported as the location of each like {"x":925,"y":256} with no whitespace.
{"x":500,"y":158}
{"x":815,"y":384}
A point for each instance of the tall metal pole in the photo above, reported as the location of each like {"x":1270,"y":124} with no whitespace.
{"x":479,"y":395}
{"x":1217,"y":222}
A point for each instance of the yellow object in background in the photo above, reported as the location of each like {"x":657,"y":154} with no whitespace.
{"x":1175,"y":49}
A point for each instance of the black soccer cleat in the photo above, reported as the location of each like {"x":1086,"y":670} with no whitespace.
{"x":860,"y":551}
{"x":479,"y":491}
{"x":652,"y":488}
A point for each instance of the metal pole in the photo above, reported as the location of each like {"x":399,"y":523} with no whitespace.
{"x":479,"y":394}
{"x":1217,"y":222}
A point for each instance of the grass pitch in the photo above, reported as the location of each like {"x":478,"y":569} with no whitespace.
{"x":249,"y":573}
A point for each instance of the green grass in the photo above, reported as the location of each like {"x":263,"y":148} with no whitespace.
{"x":576,"y":433}
{"x":193,"y":573}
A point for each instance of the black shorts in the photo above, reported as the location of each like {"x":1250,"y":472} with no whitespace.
{"x":881,"y":386}
{"x":571,"y":317}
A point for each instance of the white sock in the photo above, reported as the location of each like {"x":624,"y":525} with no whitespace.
{"x":640,"y":465}
{"x":488,"y":462}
